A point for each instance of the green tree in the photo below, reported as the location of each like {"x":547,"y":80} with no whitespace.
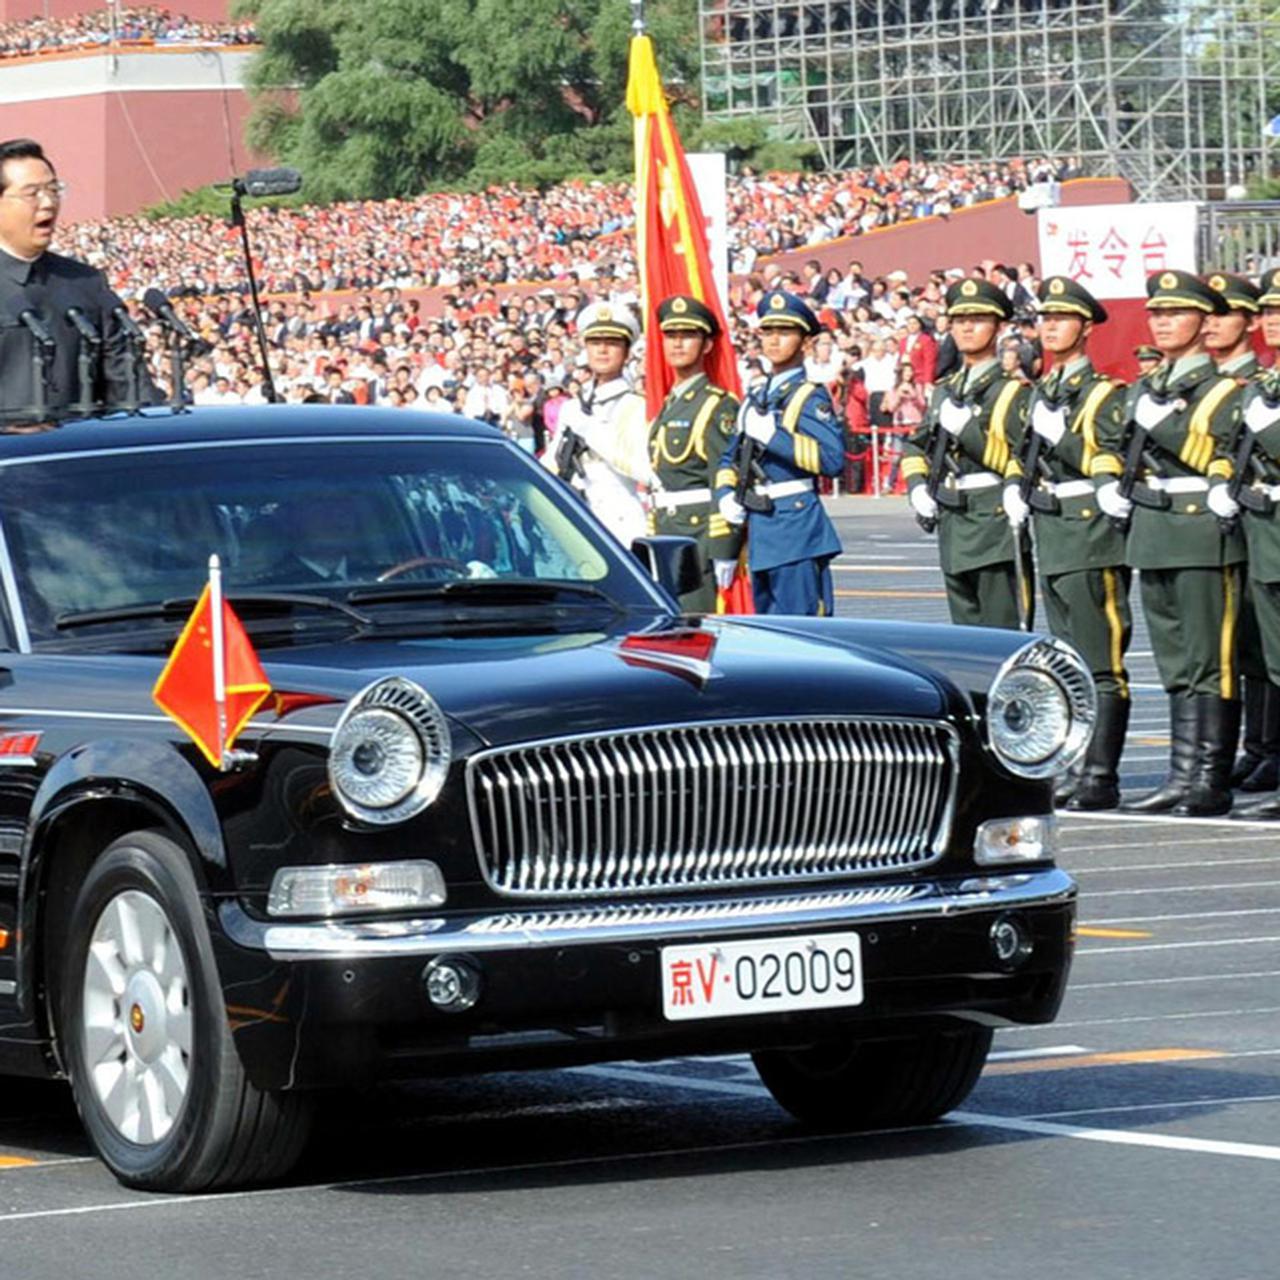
{"x":387,"y":97}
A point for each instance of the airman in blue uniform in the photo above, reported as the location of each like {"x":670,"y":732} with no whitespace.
{"x":788,"y":435}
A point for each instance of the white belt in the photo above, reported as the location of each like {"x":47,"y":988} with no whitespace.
{"x":1071,"y":489}
{"x":1177,"y":484}
{"x":1271,"y":490}
{"x":978,"y":480}
{"x":784,"y":488}
{"x":670,"y":499}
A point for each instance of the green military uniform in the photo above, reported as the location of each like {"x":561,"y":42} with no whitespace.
{"x":1258,"y":768}
{"x":975,"y":544}
{"x":1080,"y":553}
{"x":688,"y":437}
{"x":1190,"y":566}
{"x":1260,"y":515}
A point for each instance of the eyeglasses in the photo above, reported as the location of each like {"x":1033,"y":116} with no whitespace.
{"x":53,"y":191}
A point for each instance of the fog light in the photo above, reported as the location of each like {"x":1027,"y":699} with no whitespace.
{"x":452,"y":983}
{"x":1004,"y":841}
{"x":1010,"y":941}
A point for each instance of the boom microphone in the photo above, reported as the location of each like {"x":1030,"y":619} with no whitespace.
{"x":162,"y":309}
{"x":270,"y":182}
{"x":39,"y":331}
{"x":83,"y":326}
{"x":128,"y":325}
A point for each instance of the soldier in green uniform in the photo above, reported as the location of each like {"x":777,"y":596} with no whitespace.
{"x":1190,"y":563}
{"x":1229,"y":340}
{"x":1073,"y":434}
{"x":1260,"y":498}
{"x":973,"y":415}
{"x":691,"y":432}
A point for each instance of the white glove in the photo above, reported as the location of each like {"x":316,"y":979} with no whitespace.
{"x":1259,"y":415}
{"x":725,"y":571}
{"x":1221,"y":503}
{"x":924,"y":506}
{"x":732,"y":510}
{"x":1049,"y":424}
{"x":1149,"y":414}
{"x":1014,"y":507}
{"x":1113,"y":502}
{"x":953,"y":417}
{"x":759,"y":426}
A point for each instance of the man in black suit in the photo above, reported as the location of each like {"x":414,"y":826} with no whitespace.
{"x":44,"y":285}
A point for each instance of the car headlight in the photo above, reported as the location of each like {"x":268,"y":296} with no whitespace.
{"x":1041,"y":709}
{"x":390,"y":752}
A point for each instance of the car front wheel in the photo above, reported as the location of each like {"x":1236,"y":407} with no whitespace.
{"x":876,"y":1084}
{"x":155,"y":1073}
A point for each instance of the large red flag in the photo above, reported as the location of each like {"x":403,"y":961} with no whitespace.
{"x":186,"y":689}
{"x":671,"y":231}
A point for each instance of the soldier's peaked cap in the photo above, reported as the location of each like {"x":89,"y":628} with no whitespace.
{"x":779,"y":309}
{"x":1241,"y":294}
{"x":1060,"y":295}
{"x":607,"y":320}
{"x":1169,"y":289}
{"x":1270,"y":288}
{"x":682,"y":313}
{"x":977,"y":298}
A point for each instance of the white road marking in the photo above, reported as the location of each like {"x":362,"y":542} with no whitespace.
{"x":1041,"y":1051}
{"x":1187,"y":1104}
{"x":1167,"y":982}
{"x":1163,"y":819}
{"x":1200,"y":843}
{"x":1188,"y":864}
{"x":1166,"y":1017}
{"x":1188,"y":915}
{"x":1120,"y":1137}
{"x":1183,"y":888}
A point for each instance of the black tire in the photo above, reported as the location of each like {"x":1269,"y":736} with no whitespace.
{"x":876,"y":1084}
{"x":224,"y":1132}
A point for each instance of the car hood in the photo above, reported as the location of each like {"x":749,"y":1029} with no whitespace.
{"x":516,"y":688}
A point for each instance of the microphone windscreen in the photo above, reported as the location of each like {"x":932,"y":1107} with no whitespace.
{"x":272,"y":182}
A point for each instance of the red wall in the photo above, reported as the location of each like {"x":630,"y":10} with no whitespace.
{"x":123,"y":151}
{"x":16,"y":10}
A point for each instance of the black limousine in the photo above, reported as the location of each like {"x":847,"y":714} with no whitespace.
{"x":504,"y":807}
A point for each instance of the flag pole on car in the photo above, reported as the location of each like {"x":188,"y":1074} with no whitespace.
{"x":213,"y":682}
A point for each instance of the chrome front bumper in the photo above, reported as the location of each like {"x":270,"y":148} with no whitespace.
{"x":739,"y":916}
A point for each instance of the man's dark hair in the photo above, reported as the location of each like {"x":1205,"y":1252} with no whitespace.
{"x":21,"y":149}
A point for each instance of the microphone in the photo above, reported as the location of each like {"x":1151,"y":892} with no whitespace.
{"x":128,"y":325}
{"x":38,"y":329}
{"x":83,"y":326}
{"x":269,"y":182}
{"x":160,"y":306}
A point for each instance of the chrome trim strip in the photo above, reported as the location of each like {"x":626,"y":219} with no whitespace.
{"x":8,"y":986}
{"x":20,"y":633}
{"x":760,"y":802}
{"x":177,"y":446}
{"x":638,"y":922}
{"x":262,"y":726}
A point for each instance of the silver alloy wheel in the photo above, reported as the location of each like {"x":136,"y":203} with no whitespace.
{"x":137,"y":1017}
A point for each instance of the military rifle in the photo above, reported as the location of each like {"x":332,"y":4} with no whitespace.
{"x":747,"y":461}
{"x":1245,"y":461}
{"x":939,"y":463}
{"x":570,"y":446}
{"x":1136,"y":455}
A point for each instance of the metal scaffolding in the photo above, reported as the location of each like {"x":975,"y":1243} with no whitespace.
{"x":1171,"y":95}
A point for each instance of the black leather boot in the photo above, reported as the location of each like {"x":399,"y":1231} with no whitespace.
{"x":1099,"y":786}
{"x":1217,"y":731}
{"x":1261,"y":738}
{"x":1267,"y":809}
{"x":1065,"y":787}
{"x":1182,"y":759}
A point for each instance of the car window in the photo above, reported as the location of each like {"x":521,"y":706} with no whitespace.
{"x":127,"y":528}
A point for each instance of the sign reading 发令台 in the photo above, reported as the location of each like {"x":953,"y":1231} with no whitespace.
{"x":1111,"y":249}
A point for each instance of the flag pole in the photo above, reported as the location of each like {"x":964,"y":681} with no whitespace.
{"x":219,"y":659}
{"x":637,"y":17}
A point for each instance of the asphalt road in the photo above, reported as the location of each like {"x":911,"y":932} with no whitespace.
{"x":1138,"y":1137}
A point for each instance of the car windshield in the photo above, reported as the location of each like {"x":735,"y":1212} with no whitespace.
{"x":409,"y":523}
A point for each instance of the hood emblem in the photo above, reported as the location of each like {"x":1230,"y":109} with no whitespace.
{"x":685,"y":653}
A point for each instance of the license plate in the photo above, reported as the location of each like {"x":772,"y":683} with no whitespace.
{"x":765,"y":975}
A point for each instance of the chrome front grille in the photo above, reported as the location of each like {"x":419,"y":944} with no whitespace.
{"x":699,"y":806}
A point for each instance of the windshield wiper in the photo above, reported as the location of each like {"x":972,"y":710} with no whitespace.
{"x":498,"y":591}
{"x":251,"y":603}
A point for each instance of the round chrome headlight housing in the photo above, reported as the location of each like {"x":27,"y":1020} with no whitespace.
{"x":389,"y":753}
{"x":1041,"y":709}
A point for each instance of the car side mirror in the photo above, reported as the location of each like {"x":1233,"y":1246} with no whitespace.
{"x":672,"y":562}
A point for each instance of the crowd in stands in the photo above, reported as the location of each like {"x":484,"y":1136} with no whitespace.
{"x":90,"y":30}
{"x":512,"y":360}
{"x":577,"y":232}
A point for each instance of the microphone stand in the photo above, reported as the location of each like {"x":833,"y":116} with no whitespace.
{"x":238,"y":191}
{"x":85,"y":354}
{"x":133,"y":340}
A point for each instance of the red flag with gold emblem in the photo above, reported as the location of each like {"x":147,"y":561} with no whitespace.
{"x":671,"y":231}
{"x":188,"y":688}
